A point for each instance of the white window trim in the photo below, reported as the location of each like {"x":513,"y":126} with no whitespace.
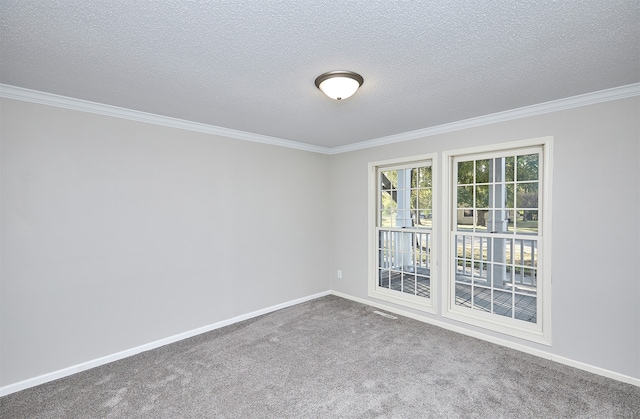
{"x":418,"y":303}
{"x":541,"y":333}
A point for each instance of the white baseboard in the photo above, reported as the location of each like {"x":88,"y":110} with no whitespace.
{"x":503,"y":342}
{"x":45,"y":378}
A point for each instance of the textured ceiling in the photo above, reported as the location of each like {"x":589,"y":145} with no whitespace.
{"x":251,"y":65}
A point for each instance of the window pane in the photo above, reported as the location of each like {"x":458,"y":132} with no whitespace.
{"x":424,"y":177}
{"x":480,"y":272}
{"x":414,"y":199}
{"x":500,"y":279}
{"x":423,"y":284}
{"x":421,"y":177}
{"x":480,"y":248}
{"x":510,"y":220}
{"x":508,"y":250}
{"x":509,"y":168}
{"x":497,"y":221}
{"x":414,"y":217}
{"x":465,"y":172}
{"x":463,"y":295}
{"x":463,"y":268}
{"x":383,"y":259}
{"x":465,"y":197}
{"x":502,"y":303}
{"x":529,"y":276}
{"x":464,"y":246}
{"x":481,"y":220}
{"x":414,"y":178}
{"x":525,"y":279}
{"x":482,"y":196}
{"x":389,"y":180}
{"x":423,"y":244}
{"x":482,"y":299}
{"x":498,"y":195}
{"x":508,"y":279}
{"x":388,"y":207}
{"x":388,"y":201}
{"x":527,"y":196}
{"x":424,"y":198}
{"x":525,"y":308}
{"x":409,"y":283}
{"x":465,"y":220}
{"x":383,"y":278}
{"x":424,"y":219}
{"x":395,"y":280}
{"x":527,"y":222}
{"x":510,"y":194}
{"x":534,"y":254}
{"x":387,"y":218}
{"x":482,"y":171}
{"x":527,"y":254}
{"x":527,"y":167}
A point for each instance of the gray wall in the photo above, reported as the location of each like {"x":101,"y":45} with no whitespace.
{"x":117,"y":233}
{"x":595,"y":240}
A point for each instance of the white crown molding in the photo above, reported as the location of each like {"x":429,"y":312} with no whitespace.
{"x":13,"y":92}
{"x":541,"y":108}
{"x":19,"y":93}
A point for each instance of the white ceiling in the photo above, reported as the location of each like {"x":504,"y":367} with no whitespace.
{"x":251,"y":65}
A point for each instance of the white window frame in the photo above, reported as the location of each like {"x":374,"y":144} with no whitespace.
{"x":541,"y":331}
{"x":419,"y":303}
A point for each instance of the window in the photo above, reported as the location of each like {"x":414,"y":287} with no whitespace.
{"x":498,"y":231}
{"x":494,"y":239}
{"x":401,"y":238}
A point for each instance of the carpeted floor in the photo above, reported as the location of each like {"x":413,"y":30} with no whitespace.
{"x":328,"y":358}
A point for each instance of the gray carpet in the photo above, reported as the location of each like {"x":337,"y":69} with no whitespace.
{"x":328,"y":358}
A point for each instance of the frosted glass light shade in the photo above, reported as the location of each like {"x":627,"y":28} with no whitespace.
{"x":339,"y":85}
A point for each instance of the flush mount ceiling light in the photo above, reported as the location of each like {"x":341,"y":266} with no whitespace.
{"x":339,"y":85}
